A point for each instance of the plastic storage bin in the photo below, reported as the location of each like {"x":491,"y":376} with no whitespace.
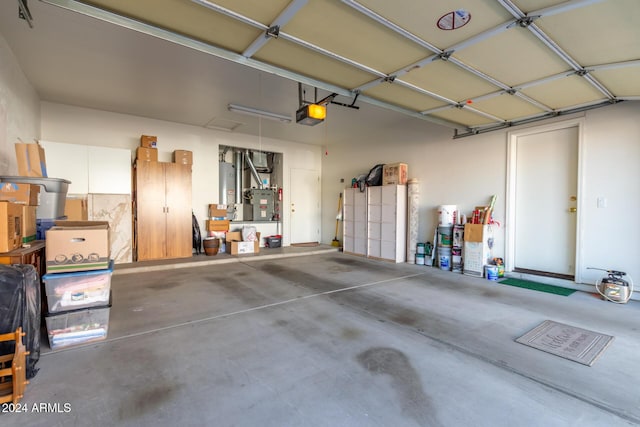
{"x":77,"y":326}
{"x":53,"y":193}
{"x":273,"y":241}
{"x":83,"y":289}
{"x":42,"y":225}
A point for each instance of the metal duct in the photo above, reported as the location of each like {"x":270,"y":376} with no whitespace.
{"x":239,"y":163}
{"x":247,"y":159}
{"x":227,"y":183}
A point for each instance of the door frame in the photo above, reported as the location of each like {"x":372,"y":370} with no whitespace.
{"x":512,"y":150}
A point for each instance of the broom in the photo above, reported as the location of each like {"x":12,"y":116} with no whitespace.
{"x":335,"y":241}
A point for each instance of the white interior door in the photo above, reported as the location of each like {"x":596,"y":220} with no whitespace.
{"x":305,"y":206}
{"x":544,"y":192}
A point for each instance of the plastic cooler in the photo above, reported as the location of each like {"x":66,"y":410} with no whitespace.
{"x":83,"y":289}
{"x":53,"y":193}
{"x":77,"y":326}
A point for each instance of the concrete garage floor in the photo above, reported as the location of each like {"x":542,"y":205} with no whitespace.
{"x":330,"y":339}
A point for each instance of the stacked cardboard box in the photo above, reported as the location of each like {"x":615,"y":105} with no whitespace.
{"x":26,"y":196}
{"x":183,"y":157}
{"x":236,"y":246}
{"x":217,"y":221}
{"x":78,"y":282}
{"x":76,"y":209}
{"x":147,"y":151}
{"x":31,"y":160}
{"x":395,"y":174}
{"x":10,"y":226}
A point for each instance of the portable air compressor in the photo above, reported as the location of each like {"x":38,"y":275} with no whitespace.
{"x":613,"y":287}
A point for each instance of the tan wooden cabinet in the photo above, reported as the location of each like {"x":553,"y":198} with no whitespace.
{"x":162,"y":210}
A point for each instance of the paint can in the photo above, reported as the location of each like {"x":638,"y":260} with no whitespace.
{"x":445,"y":235}
{"x":491,"y":272}
{"x":447,"y":215}
{"x":444,"y":258}
{"x":420,"y":249}
{"x":456,"y":259}
{"x":420,"y":259}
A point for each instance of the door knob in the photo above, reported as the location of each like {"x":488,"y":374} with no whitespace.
{"x":573,"y":210}
{"x":293,"y":210}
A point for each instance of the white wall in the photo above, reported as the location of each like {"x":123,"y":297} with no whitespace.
{"x":612,"y":158}
{"x":19,"y":109}
{"x":467,"y":171}
{"x":74,"y":125}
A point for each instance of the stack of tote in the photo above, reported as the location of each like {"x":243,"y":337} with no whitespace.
{"x":78,"y":282}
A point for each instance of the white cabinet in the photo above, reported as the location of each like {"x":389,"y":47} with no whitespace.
{"x":374,"y":222}
{"x":354,"y":222}
{"x":91,"y":169}
{"x":387,"y":222}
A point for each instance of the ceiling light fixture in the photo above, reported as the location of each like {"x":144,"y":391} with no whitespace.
{"x":259,"y":113}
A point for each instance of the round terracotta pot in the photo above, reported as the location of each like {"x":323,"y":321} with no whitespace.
{"x":211,"y":246}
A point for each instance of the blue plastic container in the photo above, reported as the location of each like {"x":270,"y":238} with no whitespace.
{"x":83,"y":289}
{"x":43,"y":224}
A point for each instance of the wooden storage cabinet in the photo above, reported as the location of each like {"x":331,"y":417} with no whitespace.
{"x":162,"y":210}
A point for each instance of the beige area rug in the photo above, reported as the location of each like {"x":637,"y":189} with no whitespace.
{"x":576,"y":344}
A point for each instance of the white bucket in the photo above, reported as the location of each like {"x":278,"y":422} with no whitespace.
{"x":447,"y":215}
{"x":420,"y":248}
{"x":420,"y":259}
{"x":444,"y":258}
{"x":445,"y":235}
{"x":491,"y":272}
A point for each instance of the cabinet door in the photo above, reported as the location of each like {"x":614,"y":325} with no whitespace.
{"x":179,"y":242}
{"x":374,"y":247}
{"x":150,"y":229}
{"x":149,"y":182}
{"x":150,"y":211}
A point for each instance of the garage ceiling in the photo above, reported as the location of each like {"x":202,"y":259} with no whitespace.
{"x":470,"y":65}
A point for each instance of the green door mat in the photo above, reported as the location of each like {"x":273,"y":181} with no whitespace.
{"x":537,"y":286}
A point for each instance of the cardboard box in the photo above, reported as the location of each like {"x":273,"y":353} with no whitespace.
{"x":10,"y":226}
{"x":31,"y":160}
{"x":395,"y":174}
{"x":217,"y":225}
{"x":148,"y":141}
{"x":75,"y":209}
{"x":77,"y":246}
{"x":18,"y":192}
{"x":218,"y":211}
{"x":147,"y":154}
{"x":29,"y":224}
{"x":183,"y":157}
{"x":478,"y":246}
{"x":473,"y":232}
{"x":235,"y":246}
